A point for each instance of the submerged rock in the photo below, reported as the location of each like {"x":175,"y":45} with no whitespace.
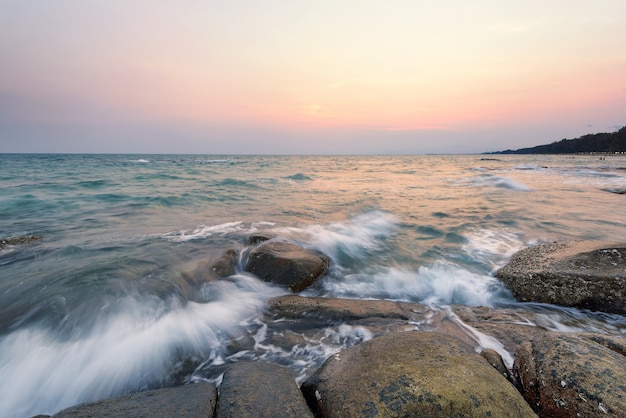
{"x":190,"y":401}
{"x":569,"y":375}
{"x":287,"y":264}
{"x":226,"y":263}
{"x":5,"y":242}
{"x":412,"y":373}
{"x":253,"y":389}
{"x":588,"y":275}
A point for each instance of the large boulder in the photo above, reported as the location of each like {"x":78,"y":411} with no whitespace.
{"x":414,"y":373}
{"x":287,"y":264}
{"x":254,"y":389}
{"x":189,"y":401}
{"x":588,"y":275}
{"x":570,"y":375}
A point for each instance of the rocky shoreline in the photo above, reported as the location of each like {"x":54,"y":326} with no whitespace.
{"x":462,"y":361}
{"x":580,"y":274}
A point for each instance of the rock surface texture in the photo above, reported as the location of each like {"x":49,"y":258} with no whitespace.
{"x":190,"y":401}
{"x":331,"y":309}
{"x":412,"y":374}
{"x":253,"y":389}
{"x":287,"y":264}
{"x":390,"y":368}
{"x":587,"y":275}
{"x":570,"y":375}
{"x":5,"y":242}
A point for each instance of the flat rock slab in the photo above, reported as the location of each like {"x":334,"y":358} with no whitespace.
{"x":189,"y":401}
{"x":583,"y":274}
{"x":572,"y":375}
{"x":414,"y":373}
{"x":253,"y":389}
{"x":334,"y":309}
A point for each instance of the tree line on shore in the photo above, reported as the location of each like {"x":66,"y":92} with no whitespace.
{"x":606,"y":142}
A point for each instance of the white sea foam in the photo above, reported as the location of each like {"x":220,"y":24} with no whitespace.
{"x":213,"y":161}
{"x":132,"y":350}
{"x":492,"y":248}
{"x":533,"y":167}
{"x":489,"y":180}
{"x":205,"y":231}
{"x":442,"y":283}
{"x":140,"y":160}
{"x":595,"y":173}
{"x":483,"y":341}
{"x":307,"y":355}
{"x":355,"y":238}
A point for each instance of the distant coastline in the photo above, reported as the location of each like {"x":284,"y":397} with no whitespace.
{"x":604,"y":143}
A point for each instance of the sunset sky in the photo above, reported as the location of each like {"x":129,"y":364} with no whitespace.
{"x":321,"y":77}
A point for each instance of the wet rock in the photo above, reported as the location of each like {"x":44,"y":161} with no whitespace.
{"x":413,"y":373}
{"x":588,"y":275}
{"x":613,"y":343}
{"x":287,"y":264}
{"x":226,"y":263}
{"x":253,"y":389}
{"x":258,"y":238}
{"x":5,"y":242}
{"x":495,"y":359}
{"x":190,"y":401}
{"x":508,"y":326}
{"x":569,"y":375}
{"x":222,"y":266}
{"x":331,"y":309}
{"x":616,"y":190}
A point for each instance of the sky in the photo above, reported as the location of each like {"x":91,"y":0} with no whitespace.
{"x":308,"y":77}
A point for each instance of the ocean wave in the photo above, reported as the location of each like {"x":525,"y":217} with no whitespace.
{"x":588,"y":172}
{"x":353,"y":239}
{"x":529,"y":167}
{"x":298,"y":177}
{"x":488,"y":180}
{"x":441,"y":283}
{"x":215,"y":161}
{"x":205,"y":231}
{"x":492,"y":248}
{"x":134,"y":349}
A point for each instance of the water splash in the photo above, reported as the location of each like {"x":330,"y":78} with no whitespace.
{"x":136,"y":348}
{"x":442,"y":283}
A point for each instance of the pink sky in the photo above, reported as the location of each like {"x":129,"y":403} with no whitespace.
{"x":308,"y":77}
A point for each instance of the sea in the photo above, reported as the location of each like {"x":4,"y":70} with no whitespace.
{"x":98,"y":307}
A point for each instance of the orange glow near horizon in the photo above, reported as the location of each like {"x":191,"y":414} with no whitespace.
{"x":395,"y":67}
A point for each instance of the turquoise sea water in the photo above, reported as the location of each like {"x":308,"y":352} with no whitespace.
{"x":98,"y":308}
